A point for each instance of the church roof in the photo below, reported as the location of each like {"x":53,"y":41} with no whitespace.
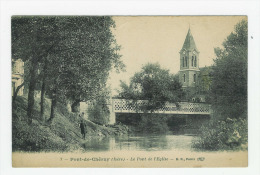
{"x":189,"y":43}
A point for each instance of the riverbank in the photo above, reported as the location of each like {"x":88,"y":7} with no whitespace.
{"x":62,"y":134}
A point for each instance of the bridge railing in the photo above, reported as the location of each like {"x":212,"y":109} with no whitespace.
{"x":128,"y":106}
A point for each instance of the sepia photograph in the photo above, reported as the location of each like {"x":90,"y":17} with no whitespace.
{"x":129,"y":91}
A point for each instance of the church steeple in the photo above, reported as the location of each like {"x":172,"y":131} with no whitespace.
{"x":189,"y":62}
{"x":189,"y":43}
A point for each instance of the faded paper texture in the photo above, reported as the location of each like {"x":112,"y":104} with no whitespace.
{"x":132,"y":159}
{"x":129,"y":91}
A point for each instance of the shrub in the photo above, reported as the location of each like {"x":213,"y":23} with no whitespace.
{"x":61,"y":135}
{"x":98,"y":113}
{"x":35,"y":138}
{"x":228,"y":134}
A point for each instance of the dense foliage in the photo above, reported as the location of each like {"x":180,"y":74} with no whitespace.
{"x":229,"y":134}
{"x":229,"y":75}
{"x":69,"y":56}
{"x":99,"y":112}
{"x":62,"y":135}
{"x":154,"y":84}
{"x":228,"y":129}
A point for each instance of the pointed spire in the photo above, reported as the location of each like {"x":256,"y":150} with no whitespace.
{"x":189,"y":43}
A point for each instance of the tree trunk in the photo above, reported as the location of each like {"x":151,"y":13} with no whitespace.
{"x":43,"y":89}
{"x":32,"y":84}
{"x":16,"y":92}
{"x":42,"y":99}
{"x":53,"y":107}
{"x":75,"y":107}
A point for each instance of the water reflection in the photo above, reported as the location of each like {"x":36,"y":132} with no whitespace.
{"x":140,"y":143}
{"x":98,"y":144}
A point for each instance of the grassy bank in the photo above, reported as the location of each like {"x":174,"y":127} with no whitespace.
{"x":229,"y":134}
{"x":63,"y":134}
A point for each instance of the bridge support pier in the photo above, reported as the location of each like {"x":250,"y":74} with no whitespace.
{"x":112,"y":114}
{"x":112,"y":118}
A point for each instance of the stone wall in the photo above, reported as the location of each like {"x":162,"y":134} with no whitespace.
{"x":17,"y":76}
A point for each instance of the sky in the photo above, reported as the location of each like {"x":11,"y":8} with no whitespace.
{"x":158,"y":39}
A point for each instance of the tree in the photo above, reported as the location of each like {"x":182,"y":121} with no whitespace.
{"x":90,"y":52}
{"x":85,"y":56}
{"x":229,"y":75}
{"x":32,"y":39}
{"x":70,"y":56}
{"x":99,"y":111}
{"x":154,"y":84}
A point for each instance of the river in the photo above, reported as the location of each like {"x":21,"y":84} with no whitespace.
{"x":140,"y":143}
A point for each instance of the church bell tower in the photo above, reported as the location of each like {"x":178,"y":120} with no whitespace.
{"x":189,"y":62}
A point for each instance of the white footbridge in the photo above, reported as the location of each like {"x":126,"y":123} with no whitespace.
{"x":130,"y":106}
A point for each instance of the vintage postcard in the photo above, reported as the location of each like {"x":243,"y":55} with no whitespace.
{"x":129,"y":91}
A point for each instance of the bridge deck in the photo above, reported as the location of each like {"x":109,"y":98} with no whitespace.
{"x":127,"y":106}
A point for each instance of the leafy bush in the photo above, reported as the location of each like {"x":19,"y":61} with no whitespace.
{"x":99,"y":113}
{"x":228,"y":134}
{"x":35,"y":138}
{"x":62,"y":135}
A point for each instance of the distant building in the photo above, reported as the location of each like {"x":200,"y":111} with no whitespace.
{"x":196,"y":81}
{"x":17,"y":76}
{"x":189,"y":62}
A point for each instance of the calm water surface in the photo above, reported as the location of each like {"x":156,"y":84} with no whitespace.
{"x":140,"y":143}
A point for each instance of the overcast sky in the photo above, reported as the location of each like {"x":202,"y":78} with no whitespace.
{"x":159,"y":39}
